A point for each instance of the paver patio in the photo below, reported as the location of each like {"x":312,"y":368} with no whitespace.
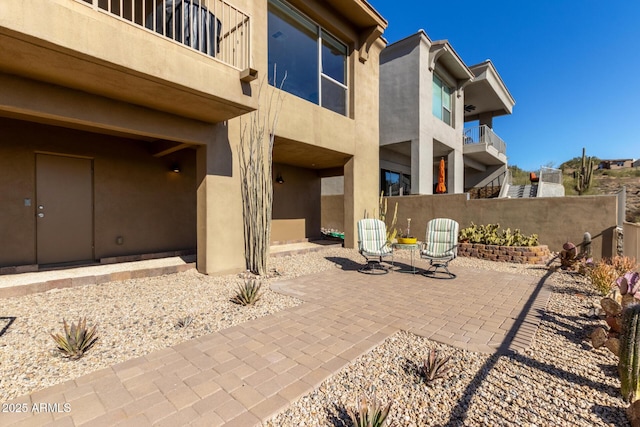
{"x":245,"y":374}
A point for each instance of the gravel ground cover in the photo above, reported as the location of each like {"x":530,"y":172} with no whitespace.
{"x":134,"y":318}
{"x":560,"y":381}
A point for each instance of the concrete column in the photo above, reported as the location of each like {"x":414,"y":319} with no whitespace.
{"x":360,"y":193}
{"x":421,"y":167}
{"x":220,"y":232}
{"x":455,"y":172}
{"x":362,"y":170}
{"x":486,"y":119}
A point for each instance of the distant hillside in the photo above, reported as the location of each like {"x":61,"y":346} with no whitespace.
{"x":576,"y":162}
{"x":610,"y":182}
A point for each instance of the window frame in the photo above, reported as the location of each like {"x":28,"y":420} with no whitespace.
{"x":297,"y":15}
{"x":401,"y":176}
{"x":444,"y":84}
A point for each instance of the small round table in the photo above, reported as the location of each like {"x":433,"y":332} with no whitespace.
{"x":410,"y":247}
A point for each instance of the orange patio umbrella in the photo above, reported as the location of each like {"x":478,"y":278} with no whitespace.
{"x":441,"y":188}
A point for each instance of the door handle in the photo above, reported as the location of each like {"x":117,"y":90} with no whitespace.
{"x":41,"y":215}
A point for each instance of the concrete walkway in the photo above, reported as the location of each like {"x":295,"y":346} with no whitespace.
{"x":24,"y":283}
{"x":243,"y":375}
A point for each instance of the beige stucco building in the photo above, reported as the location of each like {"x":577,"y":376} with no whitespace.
{"x":427,"y":95}
{"x":121,"y":123}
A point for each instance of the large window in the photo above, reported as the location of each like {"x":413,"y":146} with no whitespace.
{"x":314,"y":61}
{"x":394,"y":183}
{"x":441,"y":100}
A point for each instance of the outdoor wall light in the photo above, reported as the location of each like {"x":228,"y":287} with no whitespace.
{"x":175,"y":168}
{"x":279,"y":179}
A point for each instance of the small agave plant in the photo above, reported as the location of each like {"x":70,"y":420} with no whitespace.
{"x":249,"y":293}
{"x":183,"y":322}
{"x":369,"y":411}
{"x":435,"y":367}
{"x":77,"y":339}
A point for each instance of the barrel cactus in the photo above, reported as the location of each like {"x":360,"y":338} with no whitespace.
{"x":629,"y":365}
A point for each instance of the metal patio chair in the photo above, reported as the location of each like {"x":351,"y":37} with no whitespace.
{"x":440,"y":246}
{"x":372,"y":245}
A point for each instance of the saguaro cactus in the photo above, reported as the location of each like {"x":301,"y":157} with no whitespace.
{"x":629,"y":364}
{"x":584,"y":176}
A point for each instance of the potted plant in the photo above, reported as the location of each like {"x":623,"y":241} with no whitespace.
{"x":405,"y":237}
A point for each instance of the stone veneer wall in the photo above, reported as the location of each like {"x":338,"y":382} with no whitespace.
{"x":518,"y":254}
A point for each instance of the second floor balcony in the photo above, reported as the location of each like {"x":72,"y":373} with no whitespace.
{"x":213,"y":27}
{"x":183,"y":57}
{"x":483,"y":145}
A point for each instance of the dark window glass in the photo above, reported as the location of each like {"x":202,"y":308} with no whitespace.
{"x":314,"y":61}
{"x":334,"y":96}
{"x":441,"y":100}
{"x":334,"y":58}
{"x":391,"y":183}
{"x":293,"y":49}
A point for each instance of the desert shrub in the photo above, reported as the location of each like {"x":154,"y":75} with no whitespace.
{"x":623,"y":264}
{"x":603,"y":276}
{"x":491,"y":234}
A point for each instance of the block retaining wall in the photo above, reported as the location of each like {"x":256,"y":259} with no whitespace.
{"x":517,"y":254}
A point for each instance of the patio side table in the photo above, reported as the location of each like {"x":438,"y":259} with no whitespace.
{"x":410,"y":247}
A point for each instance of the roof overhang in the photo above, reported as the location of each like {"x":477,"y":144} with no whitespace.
{"x":359,"y":12}
{"x":486,"y":93}
{"x":442,"y":53}
{"x":365,"y":20}
{"x":307,"y":156}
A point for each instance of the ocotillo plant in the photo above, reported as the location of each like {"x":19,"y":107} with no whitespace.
{"x":584,"y":176}
{"x":256,"y":157}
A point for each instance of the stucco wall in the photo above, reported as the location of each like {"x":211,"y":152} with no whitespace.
{"x":298,"y":198}
{"x":554,"y":219}
{"x":93,"y":58}
{"x":136,"y":195}
{"x":399,"y":92}
{"x":406,"y":115}
{"x":549,"y":189}
{"x":631,"y":240}
{"x":333,"y":212}
{"x":70,"y":44}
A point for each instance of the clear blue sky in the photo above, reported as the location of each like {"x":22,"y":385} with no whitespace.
{"x":572,"y":66}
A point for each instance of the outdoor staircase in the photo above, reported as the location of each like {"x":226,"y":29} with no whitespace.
{"x":522,"y":191}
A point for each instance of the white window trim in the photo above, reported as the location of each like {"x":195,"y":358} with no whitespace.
{"x":445,"y":81}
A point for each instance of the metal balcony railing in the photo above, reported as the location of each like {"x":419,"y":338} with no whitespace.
{"x":213,"y":27}
{"x":550,"y":175}
{"x":484,"y":135}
